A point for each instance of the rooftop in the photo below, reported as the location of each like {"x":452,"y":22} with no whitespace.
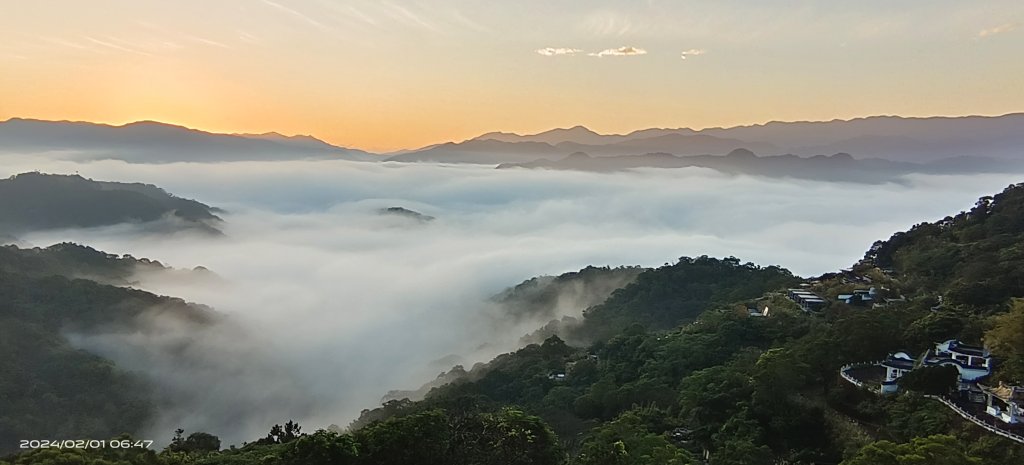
{"x":957,"y":346}
{"x":1006,"y":392}
{"x":898,"y":363}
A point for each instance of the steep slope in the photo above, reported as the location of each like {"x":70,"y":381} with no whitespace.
{"x":975,"y":258}
{"x":760,"y":390}
{"x":50,"y":389}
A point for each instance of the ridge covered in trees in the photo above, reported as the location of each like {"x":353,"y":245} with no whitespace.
{"x":51,"y":201}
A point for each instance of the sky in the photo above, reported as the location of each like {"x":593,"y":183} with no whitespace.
{"x":388,"y":74}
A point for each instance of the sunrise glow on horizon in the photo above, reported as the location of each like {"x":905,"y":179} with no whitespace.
{"x":387,"y":75}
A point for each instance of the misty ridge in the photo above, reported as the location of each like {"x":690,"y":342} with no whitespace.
{"x":40,"y":201}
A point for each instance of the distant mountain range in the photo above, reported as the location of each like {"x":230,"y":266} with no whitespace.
{"x":892,"y":138}
{"x":838,"y":167}
{"x":153,"y":142}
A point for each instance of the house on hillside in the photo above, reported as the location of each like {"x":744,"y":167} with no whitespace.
{"x":756,"y":311}
{"x":860,"y":297}
{"x":807,"y":300}
{"x":1005,"y":402}
{"x":896,"y":365}
{"x":971,"y":362}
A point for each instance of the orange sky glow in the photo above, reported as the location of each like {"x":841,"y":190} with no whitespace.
{"x":386,"y":75}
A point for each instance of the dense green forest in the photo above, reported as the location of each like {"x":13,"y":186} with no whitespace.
{"x":49,"y":388}
{"x":49,"y":201}
{"x":672,"y":369}
{"x":75,"y":261}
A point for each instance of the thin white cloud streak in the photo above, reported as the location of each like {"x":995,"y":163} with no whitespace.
{"x":109,"y":43}
{"x":351,"y":304}
{"x":692,"y":53}
{"x":606,"y":23}
{"x":470,"y":23}
{"x":206,"y":41}
{"x":66,"y":43}
{"x":619,"y":52}
{"x":557,"y":51}
{"x":247,"y":37}
{"x":359,"y":15}
{"x":380,"y":16}
{"x":1001,"y":29}
{"x":406,"y":16}
{"x":296,"y":14}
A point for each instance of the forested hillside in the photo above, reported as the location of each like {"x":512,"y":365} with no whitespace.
{"x":76,"y":261}
{"x":975,"y":258}
{"x":49,"y":388}
{"x":47,"y":201}
{"x":674,"y":369}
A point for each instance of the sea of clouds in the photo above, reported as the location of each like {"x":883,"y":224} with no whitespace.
{"x":334,"y":304}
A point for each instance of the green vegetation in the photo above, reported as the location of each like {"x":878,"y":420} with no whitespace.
{"x":75,"y":261}
{"x":676,"y":294}
{"x":975,"y":259}
{"x":543,"y":296}
{"x":465,"y":436}
{"x":49,"y":389}
{"x":1006,"y":340}
{"x":669,"y":369}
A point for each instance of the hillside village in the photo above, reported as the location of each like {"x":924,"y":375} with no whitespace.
{"x":994,"y":405}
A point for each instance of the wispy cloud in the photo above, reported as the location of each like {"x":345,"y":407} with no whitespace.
{"x":607,"y":23}
{"x":111,"y":43}
{"x":469,"y":23}
{"x":66,"y":43}
{"x":619,"y":52}
{"x":204,"y":40}
{"x":692,"y":53}
{"x":404,"y":15}
{"x":296,"y":14}
{"x":360,"y":15}
{"x":1000,"y":29}
{"x":555,"y":51}
{"x":247,"y":37}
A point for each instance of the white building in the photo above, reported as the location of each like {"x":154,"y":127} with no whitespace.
{"x":896,"y":365}
{"x":972,"y":363}
{"x":1005,"y":402}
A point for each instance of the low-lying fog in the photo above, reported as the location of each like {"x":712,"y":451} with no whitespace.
{"x":341,"y":304}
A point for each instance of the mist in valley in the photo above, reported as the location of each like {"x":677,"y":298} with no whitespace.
{"x":328,"y":304}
